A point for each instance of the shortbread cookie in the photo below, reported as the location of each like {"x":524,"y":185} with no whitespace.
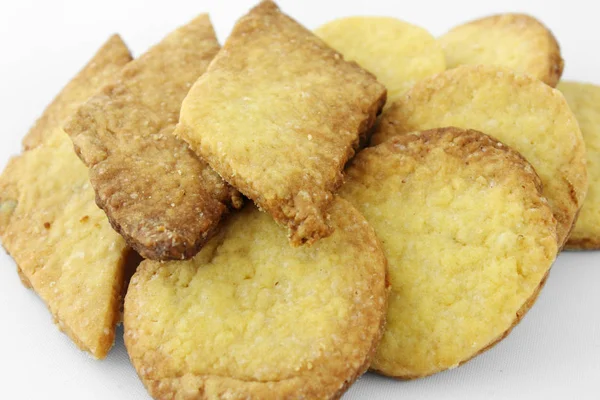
{"x":584,"y":100}
{"x":399,"y":54}
{"x":251,"y":317}
{"x":468,"y":237}
{"x":277,"y":115}
{"x":62,"y":242}
{"x":518,"y":110}
{"x":515,"y":41}
{"x":111,"y":57}
{"x":156,"y":192}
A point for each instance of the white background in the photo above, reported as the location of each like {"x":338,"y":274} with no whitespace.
{"x":553,"y":354}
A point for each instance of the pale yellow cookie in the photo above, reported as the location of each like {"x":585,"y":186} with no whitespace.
{"x":584,"y":100}
{"x":515,"y":41}
{"x":251,"y":317}
{"x":399,"y":54}
{"x":518,"y":110}
{"x":62,"y":242}
{"x":468,"y":237}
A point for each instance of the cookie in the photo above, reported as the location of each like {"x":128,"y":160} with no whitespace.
{"x":518,"y":110}
{"x":515,"y":41}
{"x":251,"y":317}
{"x":277,"y":115}
{"x":584,"y":100}
{"x":109,"y":59}
{"x":399,"y":54}
{"x":163,"y":199}
{"x":469,"y":240}
{"x":62,"y":242}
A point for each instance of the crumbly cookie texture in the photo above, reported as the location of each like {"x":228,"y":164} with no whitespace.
{"x":61,"y":241}
{"x":251,"y":317}
{"x":399,"y":54}
{"x":515,"y":41}
{"x":277,"y":115}
{"x":584,"y":100}
{"x":109,"y":59}
{"x":518,"y":110}
{"x":163,"y":199}
{"x":469,"y":240}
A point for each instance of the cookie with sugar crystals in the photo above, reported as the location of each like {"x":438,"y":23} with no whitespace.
{"x":277,"y":114}
{"x":469,"y":240}
{"x":515,"y":41}
{"x":518,"y":110}
{"x":251,"y":317}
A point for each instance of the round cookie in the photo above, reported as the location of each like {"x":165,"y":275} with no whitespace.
{"x":252,"y":317}
{"x":399,"y":54}
{"x":469,"y":241}
{"x":518,"y":110}
{"x":515,"y":41}
{"x":584,"y":100}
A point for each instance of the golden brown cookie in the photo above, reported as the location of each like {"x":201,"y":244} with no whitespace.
{"x":469,"y":240}
{"x":277,"y":115}
{"x":399,"y":54}
{"x":518,"y":110}
{"x":163,"y":199}
{"x":62,"y":242}
{"x":584,"y":100}
{"x":515,"y":41}
{"x":109,"y":59}
{"x":251,"y":317}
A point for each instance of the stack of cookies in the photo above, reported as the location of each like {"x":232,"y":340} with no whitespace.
{"x":282,"y":213}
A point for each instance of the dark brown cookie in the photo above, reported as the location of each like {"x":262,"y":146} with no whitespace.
{"x":163,"y":199}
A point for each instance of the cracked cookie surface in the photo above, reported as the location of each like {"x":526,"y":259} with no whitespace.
{"x":251,"y":317}
{"x":518,"y":110}
{"x":469,"y":240}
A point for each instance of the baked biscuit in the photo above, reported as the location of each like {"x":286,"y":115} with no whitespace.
{"x":109,"y":59}
{"x":518,"y":110}
{"x":468,"y":237}
{"x":63,"y":244}
{"x":156,"y":192}
{"x":399,"y":54}
{"x":253,"y":318}
{"x":515,"y":41}
{"x":584,"y":100}
{"x":277,"y":115}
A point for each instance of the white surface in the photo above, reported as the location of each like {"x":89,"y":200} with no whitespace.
{"x":553,"y":354}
